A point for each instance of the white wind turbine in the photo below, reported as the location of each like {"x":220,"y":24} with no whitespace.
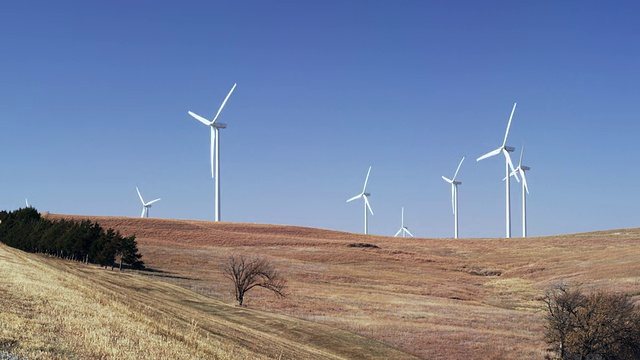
{"x":215,"y":149}
{"x":145,"y":206}
{"x":364,"y":195}
{"x":504,"y":149}
{"x":403,"y":229}
{"x":525,"y":190}
{"x":26,"y":202}
{"x":454,"y":198}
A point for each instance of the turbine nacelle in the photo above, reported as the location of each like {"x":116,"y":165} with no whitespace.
{"x":510,"y":148}
{"x":524,"y":168}
{"x":366,"y":194}
{"x":218,"y":125}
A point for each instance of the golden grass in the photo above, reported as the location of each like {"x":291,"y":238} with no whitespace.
{"x":433,"y":298}
{"x":56,"y":309}
{"x":51,"y":313}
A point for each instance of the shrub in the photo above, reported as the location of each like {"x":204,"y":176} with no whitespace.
{"x":591,"y":326}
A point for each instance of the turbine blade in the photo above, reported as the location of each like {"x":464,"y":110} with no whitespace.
{"x":458,"y":169}
{"x":366,"y":201}
{"x":152,"y":201}
{"x":143,"y":209}
{"x":398,"y":233}
{"x":213,"y":149}
{"x":524,"y":181}
{"x":355,"y":197}
{"x":513,"y":173}
{"x":142,"y":200}
{"x":408,"y":232}
{"x":490,"y":154}
{"x":200,"y":118}
{"x":508,"y":157}
{"x":224,"y":102}
{"x":366,"y":180}
{"x":506,"y":134}
{"x":447,"y":179}
{"x":521,"y":153}
{"x":26,"y":202}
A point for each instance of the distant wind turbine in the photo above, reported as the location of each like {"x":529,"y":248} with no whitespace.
{"x":403,"y":229}
{"x":364,"y":195}
{"x":504,"y":149}
{"x":215,"y":149}
{"x":525,"y":190}
{"x":454,"y":198}
{"x":26,"y":202}
{"x":145,"y":205}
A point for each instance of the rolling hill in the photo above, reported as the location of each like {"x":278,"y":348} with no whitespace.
{"x":431,"y":298}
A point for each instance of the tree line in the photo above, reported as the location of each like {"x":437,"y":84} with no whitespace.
{"x":85,"y":241}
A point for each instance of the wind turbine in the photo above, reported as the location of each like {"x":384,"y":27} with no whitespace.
{"x":145,"y":206}
{"x":26,"y":202}
{"x":215,"y":149}
{"x":504,"y":149}
{"x":403,"y":229}
{"x":364,"y":195}
{"x":525,"y":190}
{"x":454,"y":198}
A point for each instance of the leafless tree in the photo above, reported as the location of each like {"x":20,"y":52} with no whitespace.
{"x":248,"y":273}
{"x":593,"y":326}
{"x":562,"y":305}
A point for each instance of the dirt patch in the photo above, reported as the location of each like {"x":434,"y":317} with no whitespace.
{"x":363,"y":245}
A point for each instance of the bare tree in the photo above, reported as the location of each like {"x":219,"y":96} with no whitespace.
{"x":562,"y":305}
{"x":248,"y":273}
{"x":593,"y":326}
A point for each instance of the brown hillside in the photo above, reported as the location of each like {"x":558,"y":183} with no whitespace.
{"x":56,"y":309}
{"x":434,"y":298}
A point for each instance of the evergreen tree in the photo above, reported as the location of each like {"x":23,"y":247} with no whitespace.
{"x":83,"y":241}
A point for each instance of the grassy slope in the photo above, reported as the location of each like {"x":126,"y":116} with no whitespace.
{"x":60,"y":309}
{"x":434,"y":298}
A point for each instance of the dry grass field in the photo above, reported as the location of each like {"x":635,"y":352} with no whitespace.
{"x":56,"y":309}
{"x":432,"y":298}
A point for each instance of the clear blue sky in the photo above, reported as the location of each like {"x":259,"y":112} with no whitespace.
{"x":94,"y":99}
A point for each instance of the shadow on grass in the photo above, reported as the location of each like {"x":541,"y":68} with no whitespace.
{"x":163,"y":274}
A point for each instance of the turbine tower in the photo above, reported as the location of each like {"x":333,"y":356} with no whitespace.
{"x":454,"y":198}
{"x":215,"y":149}
{"x":504,"y":149}
{"x":365,"y":195}
{"x":26,"y":202}
{"x":403,"y":229}
{"x":525,"y":190}
{"x":145,"y":206}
